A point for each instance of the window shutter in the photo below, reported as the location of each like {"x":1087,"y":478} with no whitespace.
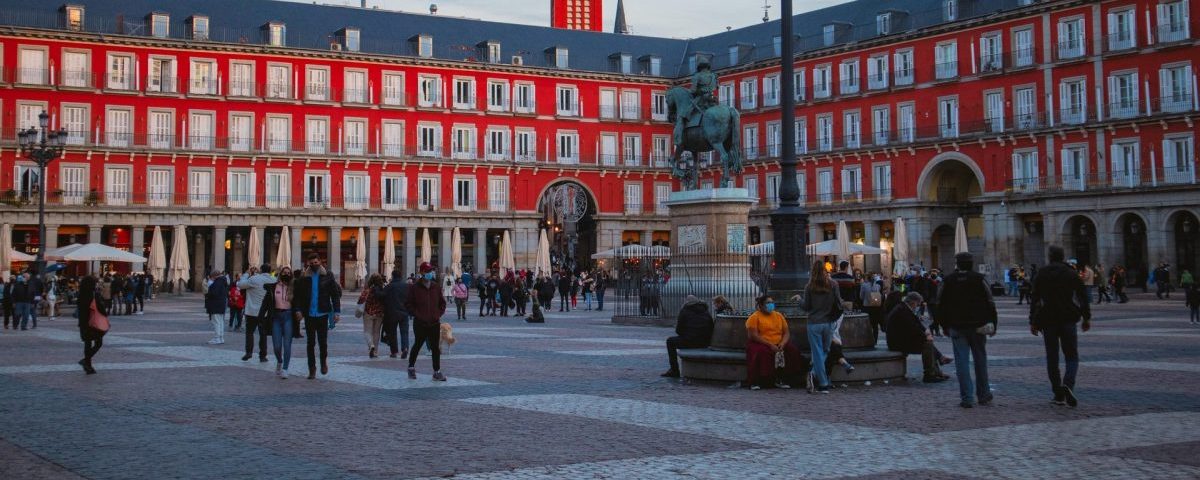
{"x":1112,"y":28}
{"x":1165,"y":93}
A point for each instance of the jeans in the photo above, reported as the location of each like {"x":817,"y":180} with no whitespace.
{"x":600,"y":300}
{"x":235,"y":318}
{"x":430,"y":336}
{"x":820,"y":335}
{"x":1066,"y":338}
{"x":281,"y":336}
{"x":263,"y":326}
{"x":218,"y":324}
{"x":587,"y":300}
{"x":1012,"y":288}
{"x":460,"y":307}
{"x":32,"y":314}
{"x":967,"y":345}
{"x":317,"y":329}
{"x":1091,"y":292}
{"x":1195,"y":314}
{"x":21,"y":310}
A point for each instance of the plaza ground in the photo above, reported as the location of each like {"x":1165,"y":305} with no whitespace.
{"x":579,"y":398}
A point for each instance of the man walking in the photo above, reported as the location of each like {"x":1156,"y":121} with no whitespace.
{"x":36,"y":290}
{"x":564,"y":291}
{"x":394,"y":315}
{"x":254,"y":282}
{"x":1058,"y":301}
{"x":426,"y":305}
{"x":216,"y":300}
{"x":317,"y":298}
{"x":967,"y":311}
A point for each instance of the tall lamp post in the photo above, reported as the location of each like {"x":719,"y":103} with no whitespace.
{"x":42,"y":146}
{"x":790,"y":221}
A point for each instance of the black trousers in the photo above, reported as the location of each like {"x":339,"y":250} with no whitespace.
{"x":460,"y":306}
{"x":563,"y":302}
{"x":263,"y":325}
{"x":430,"y":336}
{"x":673,"y":346}
{"x":318,"y":335}
{"x":140,"y":300}
{"x":8,"y":312}
{"x":90,"y":347}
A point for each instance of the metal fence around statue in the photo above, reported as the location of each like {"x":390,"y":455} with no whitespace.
{"x":651,"y":290}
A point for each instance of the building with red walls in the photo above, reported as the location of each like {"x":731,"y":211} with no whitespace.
{"x":577,"y":14}
{"x":1064,"y":122}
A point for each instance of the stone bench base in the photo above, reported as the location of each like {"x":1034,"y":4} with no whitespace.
{"x":730,"y":365}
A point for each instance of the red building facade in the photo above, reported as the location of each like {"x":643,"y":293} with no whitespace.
{"x":577,"y":14}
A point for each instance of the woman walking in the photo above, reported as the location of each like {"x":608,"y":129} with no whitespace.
{"x":459,"y":290}
{"x":372,"y":314}
{"x":824,"y":306}
{"x":92,"y":338}
{"x":278,"y":304}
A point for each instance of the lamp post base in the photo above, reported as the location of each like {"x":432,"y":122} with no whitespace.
{"x":790,"y":228}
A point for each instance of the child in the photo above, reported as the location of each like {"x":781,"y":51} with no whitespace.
{"x":1193,"y":303}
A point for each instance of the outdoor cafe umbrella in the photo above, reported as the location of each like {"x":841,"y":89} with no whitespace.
{"x":456,"y":253}
{"x":900,"y":248}
{"x":506,"y":254}
{"x":360,"y":257}
{"x":283,"y":253}
{"x":843,"y":241}
{"x":6,"y":252}
{"x":960,"y":237}
{"x":157,"y":263}
{"x":256,"y":248}
{"x":15,"y":255}
{"x":178,"y":269}
{"x":426,"y":248}
{"x":93,"y":252}
{"x":542,"y":265}
{"x":389,"y":252}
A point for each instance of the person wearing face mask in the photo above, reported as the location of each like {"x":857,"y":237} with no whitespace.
{"x":277,"y":302}
{"x":426,"y":305}
{"x":907,"y":334}
{"x":824,"y":305}
{"x":317,"y":298}
{"x":771,"y":358}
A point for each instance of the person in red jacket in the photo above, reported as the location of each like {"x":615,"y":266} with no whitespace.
{"x":426,"y":305}
{"x":237,"y":303}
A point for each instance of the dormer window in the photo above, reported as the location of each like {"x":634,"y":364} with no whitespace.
{"x":883,"y":23}
{"x":950,"y":10}
{"x":276,"y":34}
{"x":733,"y":55}
{"x":351,"y":39}
{"x":695,"y":60}
{"x":651,"y":64}
{"x":199,"y":27}
{"x":622,"y":63}
{"x":559,"y":56}
{"x":828,"y":34}
{"x":777,"y":45}
{"x":489,"y":51}
{"x":160,"y":25}
{"x":423,"y":45}
{"x":73,"y":17}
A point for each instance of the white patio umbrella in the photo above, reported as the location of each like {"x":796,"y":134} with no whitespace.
{"x":180,"y":264}
{"x":15,"y":255}
{"x":506,"y":254}
{"x":255,"y":247}
{"x":542,"y":264}
{"x":960,"y":237}
{"x":283,"y":253}
{"x":6,"y":252}
{"x":828,"y":247}
{"x":157,"y":263}
{"x":360,"y":257}
{"x":426,"y":248}
{"x":456,"y":253}
{"x":900,"y":248}
{"x":93,"y":252}
{"x":634,"y":251}
{"x":843,"y":241}
{"x":389,"y":252}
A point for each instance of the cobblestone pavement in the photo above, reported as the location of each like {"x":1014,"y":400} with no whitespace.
{"x":579,"y":397}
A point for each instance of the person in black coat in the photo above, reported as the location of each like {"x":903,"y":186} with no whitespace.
{"x":564,"y":291}
{"x":7,"y":303}
{"x":506,"y":294}
{"x":92,"y":339}
{"x":693,"y":329}
{"x":1057,"y":302}
{"x":906,"y":334}
{"x":394,"y":315}
{"x":317,"y":298}
{"x":216,"y":300}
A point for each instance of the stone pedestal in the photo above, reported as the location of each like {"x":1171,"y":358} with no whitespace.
{"x":708,"y":255}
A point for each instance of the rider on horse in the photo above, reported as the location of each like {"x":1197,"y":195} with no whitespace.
{"x":704,"y":83}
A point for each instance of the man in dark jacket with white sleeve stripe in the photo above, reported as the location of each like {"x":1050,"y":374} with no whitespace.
{"x":1057,"y":302}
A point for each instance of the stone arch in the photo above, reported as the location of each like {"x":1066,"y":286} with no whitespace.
{"x":1079,"y":236}
{"x":593,"y":199}
{"x":1118,"y":220}
{"x":1131,"y":229}
{"x":1182,"y":233}
{"x":948,"y":163}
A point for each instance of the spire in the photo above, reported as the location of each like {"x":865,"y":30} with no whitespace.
{"x":619,"y":25}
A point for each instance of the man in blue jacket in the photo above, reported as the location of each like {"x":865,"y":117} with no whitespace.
{"x":317,"y":298}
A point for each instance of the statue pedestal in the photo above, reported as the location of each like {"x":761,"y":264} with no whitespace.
{"x":708,"y":255}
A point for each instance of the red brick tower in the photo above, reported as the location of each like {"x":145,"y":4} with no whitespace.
{"x":577,"y":14}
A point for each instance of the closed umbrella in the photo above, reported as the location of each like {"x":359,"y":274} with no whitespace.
{"x":960,"y":237}
{"x":456,"y":253}
{"x":283,"y":253}
{"x":506,"y":254}
{"x":5,"y":251}
{"x":360,"y":257}
{"x":542,"y":265}
{"x":426,"y":248}
{"x":900,"y":249}
{"x":157,"y":263}
{"x":843,"y":241}
{"x":389,"y":252}
{"x":177,"y":272}
{"x":256,"y":247}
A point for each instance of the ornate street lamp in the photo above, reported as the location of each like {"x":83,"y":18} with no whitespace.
{"x":790,"y":220}
{"x":42,"y":146}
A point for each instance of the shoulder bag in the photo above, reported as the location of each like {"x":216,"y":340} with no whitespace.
{"x":96,"y":320}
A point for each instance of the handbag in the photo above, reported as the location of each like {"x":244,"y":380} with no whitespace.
{"x":988,"y":329}
{"x":96,"y":320}
{"x":874,"y":299}
{"x":359,"y":311}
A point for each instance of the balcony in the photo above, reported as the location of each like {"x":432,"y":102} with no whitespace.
{"x":946,"y":70}
{"x":1116,"y":180}
{"x":1073,"y":115}
{"x":355,"y":95}
{"x":317,"y":92}
{"x":77,"y":79}
{"x":1071,"y":49}
{"x":636,"y":208}
{"x":203,"y":86}
{"x":821,"y":91}
{"x":279,"y":91}
{"x":631,"y":111}
{"x":608,"y":112}
{"x":394,"y":97}
{"x":1170,"y":32}
{"x":1175,"y":102}
{"x":991,"y":63}
{"x":429,"y":100}
{"x":245,"y":89}
{"x":468,"y":103}
{"x":903,"y":77}
{"x":121,"y":82}
{"x":32,"y":77}
{"x":848,"y":87}
{"x":528,"y":107}
{"x":1124,"y":108}
{"x":162,"y":84}
{"x":1022,"y":57}
{"x":1119,"y":42}
{"x":569,"y":109}
{"x":877,"y":81}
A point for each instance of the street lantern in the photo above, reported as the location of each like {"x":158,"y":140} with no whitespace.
{"x":42,"y":146}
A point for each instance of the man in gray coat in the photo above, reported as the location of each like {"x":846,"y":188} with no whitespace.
{"x":254,"y":282}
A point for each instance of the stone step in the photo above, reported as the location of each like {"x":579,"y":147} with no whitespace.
{"x":730,"y":365}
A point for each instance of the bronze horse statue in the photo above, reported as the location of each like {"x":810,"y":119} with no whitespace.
{"x":717,"y":128}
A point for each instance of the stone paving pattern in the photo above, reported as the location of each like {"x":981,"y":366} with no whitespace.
{"x":579,"y":398}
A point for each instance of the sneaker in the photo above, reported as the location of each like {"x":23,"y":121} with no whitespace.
{"x":966,"y":404}
{"x":672,"y":373}
{"x":371,"y":353}
{"x":83,"y":363}
{"x":283,"y":375}
{"x":246,"y":357}
{"x":849,"y":368}
{"x":1072,"y":400}
{"x":755,"y":387}
{"x":810,"y":383}
{"x":946,"y":360}
{"x":823,"y":390}
{"x":214,"y":341}
{"x":439,"y":377}
{"x":412,"y":373}
{"x":278,"y":368}
{"x":312,"y":375}
{"x":783,"y":386}
{"x":262,"y":359}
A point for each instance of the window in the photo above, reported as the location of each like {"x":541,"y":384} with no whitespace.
{"x":356,"y":191}
{"x":202,"y":135}
{"x":73,"y":185}
{"x":161,"y":77}
{"x":904,"y":68}
{"x":240,"y":189}
{"x":798,"y":84}
{"x":828,"y":34}
{"x":32,"y":69}
{"x":774,"y":142}
{"x":279,"y":81}
{"x":1173,"y":21}
{"x":118,"y":128}
{"x":852,"y":184}
{"x":825,"y":186}
{"x":1074,"y":167}
{"x":1126,"y":166}
{"x":821,"y":81}
{"x":1072,"y":100}
{"x":160,"y":125}
{"x":523,"y":98}
{"x":993,"y":114}
{"x":116,"y":186}
{"x":777,"y":45}
{"x":491,"y":51}
{"x":561,"y":58}
{"x":316,"y":190}
{"x":905,"y":123}
{"x":462,"y":143}
{"x":73,"y":17}
{"x":949,"y":10}
{"x":276,"y":34}
{"x":883,"y":23}
{"x":633,"y":199}
{"x":317,"y":88}
{"x":429,"y":91}
{"x":393,"y":139}
{"x":625,"y":63}
{"x":279,"y":134}
{"x":568,"y":147}
{"x":278,"y":190}
{"x":241,"y":79}
{"x":355,"y":137}
{"x":1023,"y":47}
{"x":1025,"y":171}
{"x":801,"y":131}
{"x":424,"y":46}
{"x":497,"y":96}
{"x":203,"y":77}
{"x":200,"y":184}
{"x":750,"y":141}
{"x":632,"y":150}
{"x":464,"y":94}
{"x":120,"y":72}
{"x":526,"y":146}
{"x":725,"y":94}
{"x":880,"y":125}
{"x":1025,"y":109}
{"x":608,"y":103}
{"x":428,"y":193}
{"x":75,"y":70}
{"x":851,"y":129}
{"x":1070,"y":39}
{"x":991,"y":55}
{"x":1178,"y":161}
{"x":658,"y":106}
{"x":749,"y":93}
{"x":158,"y":187}
{"x":429,"y":140}
{"x":29,"y":184}
{"x":317,"y":136}
{"x":751,"y":185}
{"x":631,"y":104}
{"x":881,"y":181}
{"x":355,"y":88}
{"x":568,"y":104}
{"x":773,"y":181}
{"x":655,"y":66}
{"x":662,"y":193}
{"x":1123,"y":95}
{"x":608,"y":149}
{"x":497,"y":144}
{"x":877,"y":72}
{"x":948,"y":117}
{"x":824,"y":133}
{"x":160,"y":25}
{"x":27,"y":114}
{"x":1175,"y":88}
{"x":351,"y":39}
{"x":393,"y":192}
{"x":498,"y":194}
{"x":241,"y":132}
{"x":733,"y":54}
{"x":464,"y":194}
{"x":849,"y":77}
{"x":946,"y":58}
{"x":393,"y":89}
{"x":199,"y":27}
{"x":75,"y":121}
{"x":1122,"y":29}
{"x":660,"y":150}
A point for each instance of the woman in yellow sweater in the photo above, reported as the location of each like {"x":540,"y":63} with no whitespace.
{"x":768,"y":342}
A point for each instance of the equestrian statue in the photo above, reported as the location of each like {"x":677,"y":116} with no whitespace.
{"x":703,"y":125}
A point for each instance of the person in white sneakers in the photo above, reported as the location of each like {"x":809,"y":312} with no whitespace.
{"x":216,"y":300}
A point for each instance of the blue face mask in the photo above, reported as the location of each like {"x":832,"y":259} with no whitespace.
{"x":770,"y":307}
{"x":429,"y":275}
